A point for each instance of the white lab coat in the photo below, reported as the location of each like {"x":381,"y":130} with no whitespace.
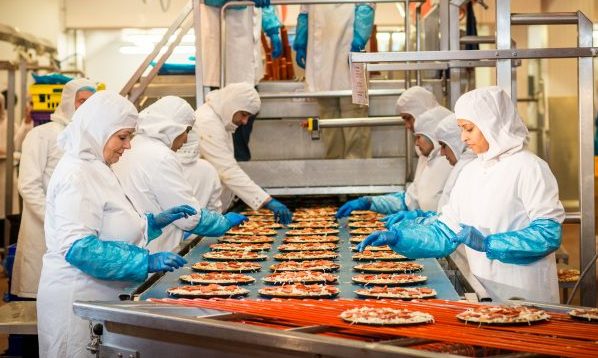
{"x":84,"y":198}
{"x":200,"y":174}
{"x":214,"y":127}
{"x":243,"y":45}
{"x":40,"y":155}
{"x":504,"y":189}
{"x":150,"y":173}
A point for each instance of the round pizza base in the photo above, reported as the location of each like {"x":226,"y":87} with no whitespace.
{"x":222,"y":283}
{"x":269,"y":240}
{"x":390,"y":284}
{"x":322,"y":269}
{"x":252,"y":249}
{"x":236,"y":270}
{"x":389,"y":296}
{"x":259,"y":258}
{"x":240,"y":294}
{"x":584,"y":318}
{"x":251,"y":233}
{"x":368,"y":323}
{"x":545,"y":318}
{"x":285,"y":249}
{"x":323,"y":240}
{"x":268,"y":295}
{"x":401,"y":258}
{"x":278,"y":258}
{"x":322,"y":233}
{"x":418,"y":269}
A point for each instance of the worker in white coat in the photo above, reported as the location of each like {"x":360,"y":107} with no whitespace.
{"x":325,"y":35}
{"x":216,"y":120}
{"x":200,"y":174}
{"x":39,"y":157}
{"x":153,"y":178}
{"x":504,"y":207}
{"x":425,"y":191}
{"x":94,"y":236}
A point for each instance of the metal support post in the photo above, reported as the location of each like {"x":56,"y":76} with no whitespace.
{"x":454,"y":45}
{"x":23,"y":77}
{"x":10,"y":148}
{"x":199,"y":99}
{"x":503,"y":42}
{"x":407,"y":41}
{"x":418,"y":18}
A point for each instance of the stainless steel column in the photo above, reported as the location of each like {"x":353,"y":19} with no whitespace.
{"x":503,"y":41}
{"x":10,"y":148}
{"x":454,"y":45}
{"x":198,"y":54}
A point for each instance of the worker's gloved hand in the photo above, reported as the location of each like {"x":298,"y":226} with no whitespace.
{"x":379,"y":238}
{"x":155,"y":223}
{"x":235,"y":219}
{"x":282,"y":214}
{"x":300,"y":43}
{"x":362,"y":26}
{"x":392,"y":219}
{"x":164,"y":261}
{"x":261,"y":3}
{"x":472,"y":237}
{"x":276,"y":45}
{"x":271,"y":27}
{"x":362,"y":203}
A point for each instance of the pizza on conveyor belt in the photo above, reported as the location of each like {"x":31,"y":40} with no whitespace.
{"x":357,"y":239}
{"x":313,"y":224}
{"x":207,"y":291}
{"x":568,"y":275}
{"x":362,"y":212}
{"x":365,"y":230}
{"x":403,"y":293}
{"x":229,"y":266}
{"x":241,"y":246}
{"x":311,"y":265}
{"x":381,"y":316}
{"x":259,"y":212}
{"x":371,"y":224}
{"x":247,"y":239}
{"x":306,"y":255}
{"x":307,"y":246}
{"x":373,"y":248}
{"x":312,"y":217}
{"x":253,"y":225}
{"x":234,"y":256}
{"x":366,"y":217}
{"x":586,"y":314}
{"x":388,"y":267}
{"x":378,"y":255}
{"x":299,"y":290}
{"x":312,"y":231}
{"x":306,"y":277}
{"x":388,"y":279}
{"x":311,"y":238}
{"x":252,"y":232}
{"x":503,"y":315}
{"x":323,"y":211}
{"x":221,"y":278}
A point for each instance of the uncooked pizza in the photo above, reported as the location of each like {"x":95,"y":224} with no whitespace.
{"x":261,"y":218}
{"x":403,"y":293}
{"x":253,"y":225}
{"x":382,"y":316}
{"x":323,"y":211}
{"x":366,"y":217}
{"x":586,"y":314}
{"x":313,"y":224}
{"x":503,"y":315}
{"x":306,"y":277}
{"x":252,"y":232}
{"x":300,"y":290}
{"x":311,"y":238}
{"x":388,"y":279}
{"x":373,"y":248}
{"x":229,"y":266}
{"x":306,"y":255}
{"x":388,"y":267}
{"x":568,"y":275}
{"x":372,"y":224}
{"x":307,"y":246}
{"x":241,"y":246}
{"x":312,"y":231}
{"x":221,"y":278}
{"x":247,"y":239}
{"x":357,"y":239}
{"x":234,"y":255}
{"x":212,"y":290}
{"x":362,"y":212}
{"x":312,"y":217}
{"x":307,"y":265}
{"x":378,"y":255}
{"x":259,"y":212}
{"x":365,"y":230}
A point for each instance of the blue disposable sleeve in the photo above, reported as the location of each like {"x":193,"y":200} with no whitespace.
{"x":362,"y":26}
{"x":301,"y":33}
{"x":419,"y":240}
{"x":153,"y":231}
{"x":211,"y":223}
{"x":388,"y":204}
{"x":109,"y":260}
{"x":270,"y":22}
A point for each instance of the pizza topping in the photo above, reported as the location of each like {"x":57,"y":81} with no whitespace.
{"x":247,"y":239}
{"x":385,"y":316}
{"x":259,"y":212}
{"x":311,"y":238}
{"x":216,"y":277}
{"x":234,"y":255}
{"x":503,"y":314}
{"x":388,"y":279}
{"x":367,"y":224}
{"x":321,"y":211}
{"x":300,"y":290}
{"x":382,"y":266}
{"x":396,"y":292}
{"x":366,"y":217}
{"x":306,"y":255}
{"x":229,"y":266}
{"x":313,"y":224}
{"x":312,"y":231}
{"x":568,"y":275}
{"x":364,"y":230}
{"x":373,"y":248}
{"x":211,"y":290}
{"x":312,"y":265}
{"x":253,"y":225}
{"x":307,"y":246}
{"x":300,"y":276}
{"x":588,"y":313}
{"x":378,"y":255}
{"x":357,"y":239}
{"x":251,"y":232}
{"x":241,"y":247}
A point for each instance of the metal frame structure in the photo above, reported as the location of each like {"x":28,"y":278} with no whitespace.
{"x":11,"y":69}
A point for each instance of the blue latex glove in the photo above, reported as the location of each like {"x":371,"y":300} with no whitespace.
{"x":362,"y":26}
{"x":429,"y":239}
{"x":109,"y":260}
{"x":472,"y":237}
{"x":271,"y":27}
{"x":392,"y":219}
{"x":235,"y":219}
{"x":261,"y":3}
{"x":361,"y":203}
{"x":300,"y":43}
{"x":389,"y":204}
{"x":379,"y":238}
{"x":155,"y":223}
{"x":211,"y":223}
{"x":282,"y":214}
{"x":525,"y":246}
{"x":165,"y":261}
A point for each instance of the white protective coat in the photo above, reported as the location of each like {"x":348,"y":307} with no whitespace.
{"x":150,"y":173}
{"x":504,"y":189}
{"x":433,"y":170}
{"x":200,"y":174}
{"x":40,"y":155}
{"x":214,"y":126}
{"x":84,"y":198}
{"x":243,"y":46}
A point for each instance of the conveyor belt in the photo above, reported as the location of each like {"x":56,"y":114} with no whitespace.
{"x":437,"y":279}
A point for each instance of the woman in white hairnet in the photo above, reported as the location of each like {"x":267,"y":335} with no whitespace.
{"x":215,"y":121}
{"x":504,"y":207}
{"x":95,"y":238}
{"x":40,"y":155}
{"x":153,"y":178}
{"x":202,"y":175}
{"x":425,"y":191}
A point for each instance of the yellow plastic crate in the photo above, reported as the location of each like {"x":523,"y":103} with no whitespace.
{"x":45,"y":97}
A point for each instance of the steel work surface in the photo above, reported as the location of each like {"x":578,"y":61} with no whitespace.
{"x":437,"y":279}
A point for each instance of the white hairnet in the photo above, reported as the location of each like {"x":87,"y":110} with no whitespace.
{"x":493,"y":112}
{"x":415,"y":101}
{"x":96,"y":120}
{"x":166,"y":119}
{"x":449,"y":133}
{"x":232,"y":99}
{"x":428,"y":121}
{"x":189,"y":152}
{"x":65,"y":110}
